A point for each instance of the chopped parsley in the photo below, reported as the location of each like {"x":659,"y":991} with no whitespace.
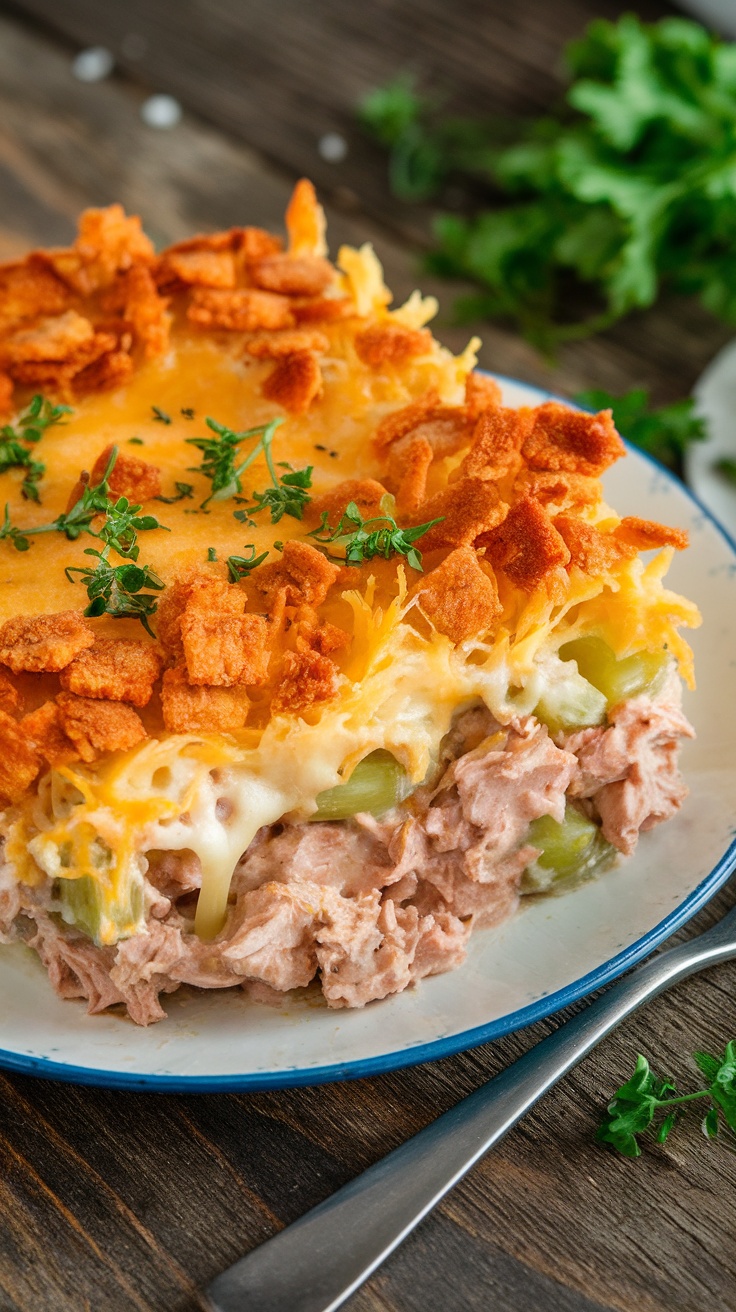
{"x":184,"y":491}
{"x":160,"y":415}
{"x":187,"y":412}
{"x":239,"y":567}
{"x":29,"y":427}
{"x":358,"y":539}
{"x":288,"y":494}
{"x":211,"y":554}
{"x":136,"y":441}
{"x":647,"y":1102}
{"x":220,"y":456}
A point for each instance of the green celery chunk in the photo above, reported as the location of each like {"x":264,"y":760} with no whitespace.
{"x":617,"y":679}
{"x":574,"y":848}
{"x":571,"y":704}
{"x":377,"y":783}
{"x":87,"y":904}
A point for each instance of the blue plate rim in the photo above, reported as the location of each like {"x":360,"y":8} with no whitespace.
{"x":435,"y":1050}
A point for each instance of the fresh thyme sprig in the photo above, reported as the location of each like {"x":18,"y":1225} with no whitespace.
{"x":288,"y":494}
{"x":239,"y":567}
{"x":644,"y":1103}
{"x":358,"y":540}
{"x":118,"y":590}
{"x":29,"y":427}
{"x":160,"y":415}
{"x":220,"y":456}
{"x":183,"y":493}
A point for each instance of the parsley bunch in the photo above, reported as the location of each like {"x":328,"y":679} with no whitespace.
{"x":664,"y":433}
{"x":647,"y":1102}
{"x":30,"y":426}
{"x":631,"y":187}
{"x":220,"y":456}
{"x":358,"y":540}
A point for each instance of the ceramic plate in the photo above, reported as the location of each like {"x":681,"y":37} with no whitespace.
{"x":554,"y":951}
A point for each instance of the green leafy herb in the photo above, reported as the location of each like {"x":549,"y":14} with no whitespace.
{"x":646,"y":1102}
{"x":288,"y":494}
{"x":118,"y":590}
{"x":211,"y":554}
{"x":358,"y":539}
{"x":160,"y":415}
{"x":239,"y":567}
{"x":220,"y":456}
{"x":727,"y":468}
{"x":29,"y":427}
{"x":183,"y":492}
{"x":630,"y":188}
{"x":187,"y":412}
{"x":664,"y":433}
{"x":136,"y":441}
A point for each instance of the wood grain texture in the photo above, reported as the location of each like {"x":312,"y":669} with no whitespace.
{"x":112,"y":1201}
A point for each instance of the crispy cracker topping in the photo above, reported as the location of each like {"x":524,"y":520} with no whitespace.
{"x":591,"y":551}
{"x":295,"y":382}
{"x":389,"y":343}
{"x":646,"y":534}
{"x":307,"y":678}
{"x":45,"y":734}
{"x":187,"y":709}
{"x":304,"y":574}
{"x":97,"y":727}
{"x":459,"y":596}
{"x":44,"y":643}
{"x":498,"y":437}
{"x":526,"y":546}
{"x":138,"y":480}
{"x":275,"y":345}
{"x":306,"y":275}
{"x":244,"y":310}
{"x":115,"y":669}
{"x":20,"y":763}
{"x":567,"y":439}
{"x":467,"y":509}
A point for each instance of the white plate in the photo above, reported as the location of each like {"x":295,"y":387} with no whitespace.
{"x":553,"y":952}
{"x":715,"y":394}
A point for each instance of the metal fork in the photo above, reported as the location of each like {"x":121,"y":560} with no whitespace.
{"x":320,"y":1260}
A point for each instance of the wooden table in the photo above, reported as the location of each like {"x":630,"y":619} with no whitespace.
{"x":112,"y":1201}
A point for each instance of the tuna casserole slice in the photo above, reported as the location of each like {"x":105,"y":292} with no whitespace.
{"x":313,"y":657}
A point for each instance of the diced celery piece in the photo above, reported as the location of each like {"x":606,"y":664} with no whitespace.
{"x":574,"y":848}
{"x":569,"y":704}
{"x":377,"y":783}
{"x":89,"y":905}
{"x":616,"y":679}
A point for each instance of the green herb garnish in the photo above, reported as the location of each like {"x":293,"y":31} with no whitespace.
{"x":239,"y":567}
{"x":160,"y":415}
{"x":30,"y":426}
{"x":183,"y":492}
{"x":358,"y":540}
{"x":630,"y":188}
{"x":664,"y":433}
{"x":136,"y":441}
{"x":118,"y":590}
{"x":727,"y":468}
{"x":219,"y":463}
{"x":288,"y":494}
{"x":187,"y":412}
{"x":211,"y":554}
{"x":646,"y":1102}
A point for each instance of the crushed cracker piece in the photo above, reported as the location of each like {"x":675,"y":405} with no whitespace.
{"x":305,"y":221}
{"x":322,"y":309}
{"x":497,"y":440}
{"x":460,"y":597}
{"x":367,"y":494}
{"x":481,"y":392}
{"x":276,"y":345}
{"x":188,"y":709}
{"x":54,"y":338}
{"x":526,"y":545}
{"x":567,"y":493}
{"x":10,"y":698}
{"x":116,"y":669}
{"x":20,"y":763}
{"x":390,"y":343}
{"x":467,"y":508}
{"x":138,"y":480}
{"x":44,"y":643}
{"x":303,"y":572}
{"x":403,"y":421}
{"x":45,"y":734}
{"x":108,"y":242}
{"x":307,"y":678}
{"x":409,"y":462}
{"x":295,"y":382}
{"x":143,"y":310}
{"x":567,"y":439}
{"x":305,"y":275}
{"x":591,"y":551}
{"x":224,"y":646}
{"x":97,"y":727}
{"x":199,"y":268}
{"x":29,"y":288}
{"x":244,"y":310}
{"x":647,"y":534}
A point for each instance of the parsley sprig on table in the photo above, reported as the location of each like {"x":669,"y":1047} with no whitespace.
{"x":357,"y":540}
{"x":220,"y":456}
{"x":664,"y":433}
{"x":647,"y":1102}
{"x":29,"y":427}
{"x":629,"y":188}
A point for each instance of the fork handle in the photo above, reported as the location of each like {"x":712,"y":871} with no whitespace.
{"x":320,"y":1260}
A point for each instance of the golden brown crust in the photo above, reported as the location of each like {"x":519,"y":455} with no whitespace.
{"x":244,"y":310}
{"x":566,"y":439}
{"x":138,"y":480}
{"x":188,"y":709}
{"x":44,"y":643}
{"x":10,"y":699}
{"x":115,"y":669}
{"x":198,"y":268}
{"x":305,"y":221}
{"x":28,"y":289}
{"x":389,"y":343}
{"x":568,"y":493}
{"x":46,"y":736}
{"x":526,"y":545}
{"x":224,"y":647}
{"x":408,"y":466}
{"x":20,"y":763}
{"x":647,"y":534}
{"x":480,"y":393}
{"x":400,"y":422}
{"x":460,"y":597}
{"x":498,"y":437}
{"x":98,"y":727}
{"x":365,"y":492}
{"x":591,"y":551}
{"x":467,"y":509}
{"x":295,"y":382}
